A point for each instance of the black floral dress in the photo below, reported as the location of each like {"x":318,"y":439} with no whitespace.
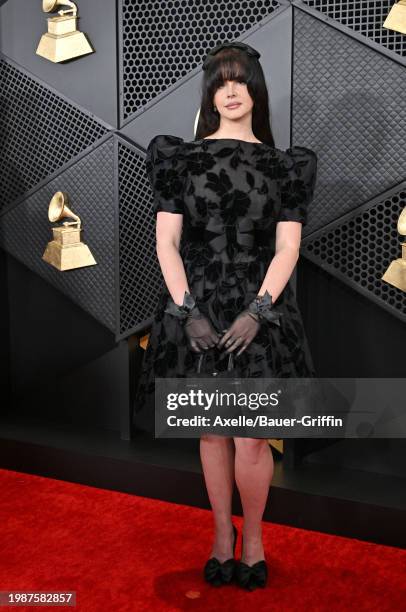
{"x":231,"y":193}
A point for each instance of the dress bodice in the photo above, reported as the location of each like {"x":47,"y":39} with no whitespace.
{"x":232,"y":190}
{"x":210,"y":176}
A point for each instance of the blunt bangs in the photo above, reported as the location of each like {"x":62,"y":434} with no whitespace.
{"x":229,"y":69}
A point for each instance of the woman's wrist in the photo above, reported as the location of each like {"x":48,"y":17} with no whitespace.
{"x":186,"y":309}
{"x":262,"y":309}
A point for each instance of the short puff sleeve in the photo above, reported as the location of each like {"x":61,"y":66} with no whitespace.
{"x":298,"y":180}
{"x":166,"y":171}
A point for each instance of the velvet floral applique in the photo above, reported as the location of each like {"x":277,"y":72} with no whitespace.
{"x":231,"y":194}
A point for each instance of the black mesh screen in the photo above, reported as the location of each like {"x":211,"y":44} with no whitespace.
{"x":25,"y":231}
{"x":366,"y":18}
{"x":39,"y":132}
{"x":360,"y":248}
{"x":347,"y":104}
{"x":140,"y":274}
{"x":344,"y":105}
{"x":164,"y":41}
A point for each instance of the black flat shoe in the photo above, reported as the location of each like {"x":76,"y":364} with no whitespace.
{"x":217,"y":573}
{"x":253,"y":576}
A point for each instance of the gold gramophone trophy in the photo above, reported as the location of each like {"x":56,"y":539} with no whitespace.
{"x":396,"y":273}
{"x":62,"y":41}
{"x":66,"y":251}
{"x":396,"y":20}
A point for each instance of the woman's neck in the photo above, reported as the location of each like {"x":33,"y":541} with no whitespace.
{"x":235,"y":136}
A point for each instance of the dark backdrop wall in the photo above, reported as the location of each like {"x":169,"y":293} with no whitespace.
{"x":5,"y":382}
{"x":336,"y":84}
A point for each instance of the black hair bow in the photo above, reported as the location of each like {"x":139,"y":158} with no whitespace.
{"x":238,"y":45}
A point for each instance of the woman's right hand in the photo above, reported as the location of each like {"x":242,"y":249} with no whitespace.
{"x":201,"y":333}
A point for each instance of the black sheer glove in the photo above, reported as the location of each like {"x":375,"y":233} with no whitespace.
{"x":198,"y":327}
{"x":247,"y":324}
{"x":200,"y":332}
{"x":242,"y":332}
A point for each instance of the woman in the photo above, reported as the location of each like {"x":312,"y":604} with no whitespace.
{"x":241,"y":204}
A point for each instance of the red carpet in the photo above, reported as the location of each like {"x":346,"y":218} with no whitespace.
{"x":125,"y":553}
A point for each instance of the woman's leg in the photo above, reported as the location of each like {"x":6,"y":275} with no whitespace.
{"x":253,"y":474}
{"x":217,"y":456}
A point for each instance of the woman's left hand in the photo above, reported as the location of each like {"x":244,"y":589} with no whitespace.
{"x":241,"y":333}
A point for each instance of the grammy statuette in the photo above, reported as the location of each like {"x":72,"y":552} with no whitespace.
{"x":62,"y":41}
{"x":396,"y":273}
{"x":66,"y":251}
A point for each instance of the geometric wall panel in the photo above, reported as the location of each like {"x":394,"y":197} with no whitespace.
{"x":39,"y":132}
{"x":273,"y":39}
{"x":163,"y":42}
{"x":110,"y":191}
{"x":140,"y":275}
{"x":25,"y":231}
{"x":348,"y":104}
{"x":359,"y":248}
{"x":364,"y":17}
{"x":90,"y":82}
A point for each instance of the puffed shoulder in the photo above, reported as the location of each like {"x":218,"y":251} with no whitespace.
{"x":300,"y":159}
{"x":161,"y":153}
{"x":298,"y":174}
{"x":163,"y":146}
{"x":166,"y":170}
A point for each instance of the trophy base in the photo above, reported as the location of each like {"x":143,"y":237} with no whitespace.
{"x":396,"y":20}
{"x":278,"y":444}
{"x":63,"y":46}
{"x":68,"y":257}
{"x":396,"y":274}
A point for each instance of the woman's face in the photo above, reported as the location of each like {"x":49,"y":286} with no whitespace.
{"x":232,"y":100}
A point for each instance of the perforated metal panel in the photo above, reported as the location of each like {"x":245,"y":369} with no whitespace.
{"x":26,"y":230}
{"x":359,"y":248}
{"x":39,"y":132}
{"x":345,"y":106}
{"x":140,"y":275}
{"x":348,"y":105}
{"x":365,"y":17}
{"x":163,"y":41}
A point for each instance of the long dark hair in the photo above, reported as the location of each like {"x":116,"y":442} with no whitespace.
{"x":233,"y":64}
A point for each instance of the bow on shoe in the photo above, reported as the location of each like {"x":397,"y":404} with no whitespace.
{"x":241,"y":231}
{"x":219,"y":573}
{"x":252,"y":576}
